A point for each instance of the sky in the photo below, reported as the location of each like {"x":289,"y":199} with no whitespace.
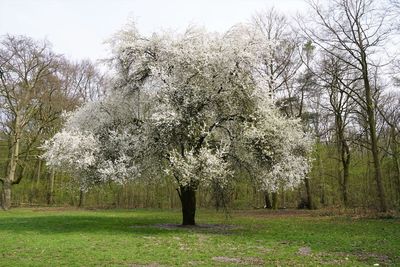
{"x":78,"y":28}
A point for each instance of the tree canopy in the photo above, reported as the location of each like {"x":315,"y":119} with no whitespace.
{"x":189,"y":106}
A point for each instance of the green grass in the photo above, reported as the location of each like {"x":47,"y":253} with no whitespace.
{"x":62,"y":237}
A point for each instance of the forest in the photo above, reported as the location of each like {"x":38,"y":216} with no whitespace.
{"x":275,"y":142}
{"x":189,"y":105}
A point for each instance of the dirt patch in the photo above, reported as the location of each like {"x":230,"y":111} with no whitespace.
{"x":247,"y":261}
{"x":195,"y":263}
{"x":304,"y":251}
{"x":373,"y":257}
{"x":264,"y":250}
{"x":366,"y":257}
{"x":202,"y":238}
{"x":145,"y":265}
{"x":336,"y":259}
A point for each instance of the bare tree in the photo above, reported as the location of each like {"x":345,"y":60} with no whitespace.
{"x":356,"y":29}
{"x":339,"y":81}
{"x":24,"y":64}
{"x":282,"y":61}
{"x":280,"y":65}
{"x":390,"y":113}
{"x":78,"y":83}
{"x":82,"y":80}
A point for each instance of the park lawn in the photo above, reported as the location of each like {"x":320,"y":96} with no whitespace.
{"x":68,"y":237}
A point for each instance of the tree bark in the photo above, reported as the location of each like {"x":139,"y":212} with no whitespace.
{"x":370,"y":109}
{"x":81,"y":198}
{"x":188,"y":200}
{"x":345,"y":184}
{"x":50,"y":194}
{"x":274,"y":200}
{"x":396,"y":160}
{"x":310,"y":204}
{"x":6,"y":195}
{"x":38,"y":173}
{"x":397,"y":166}
{"x":9,"y":180}
{"x":268,"y":204}
{"x":344,"y":153}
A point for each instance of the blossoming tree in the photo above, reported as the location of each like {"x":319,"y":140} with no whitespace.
{"x":188,"y":106}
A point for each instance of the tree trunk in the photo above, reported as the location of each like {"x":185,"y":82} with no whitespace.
{"x":378,"y":175}
{"x":398,"y":180}
{"x":345,"y":160}
{"x":274,"y":200}
{"x":188,"y":200}
{"x":268,"y":204}
{"x":12,"y":166}
{"x":345,"y":184}
{"x":370,"y":109}
{"x":13,"y":161}
{"x":375,"y":155}
{"x":50,"y":194}
{"x":321,"y":175}
{"x":310,"y":204}
{"x":344,"y":154}
{"x":38,"y":173}
{"x":396,"y":160}
{"x":6,"y":195}
{"x":81,"y":198}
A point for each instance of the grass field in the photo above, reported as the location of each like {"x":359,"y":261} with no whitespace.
{"x":65,"y":237}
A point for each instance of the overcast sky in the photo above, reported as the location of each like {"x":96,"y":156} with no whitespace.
{"x":78,"y":28}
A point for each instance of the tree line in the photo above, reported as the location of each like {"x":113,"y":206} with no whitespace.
{"x":335,"y":71}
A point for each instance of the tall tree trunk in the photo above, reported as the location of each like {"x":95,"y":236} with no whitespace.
{"x":268,"y":204}
{"x":397,"y":166}
{"x":344,"y":154}
{"x":320,"y":175}
{"x":50,"y":194}
{"x":1,"y":192}
{"x":38,"y":173}
{"x":12,"y":166}
{"x":345,"y":158}
{"x":310,"y":204}
{"x":377,"y":163}
{"x":345,"y":182}
{"x":370,"y":109}
{"x":188,"y":200}
{"x":6,"y":195}
{"x":81,"y":198}
{"x":274,"y":200}
{"x":283,"y":199}
{"x":396,"y":160}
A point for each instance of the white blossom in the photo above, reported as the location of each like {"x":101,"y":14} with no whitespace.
{"x":71,"y":150}
{"x":204,"y":167}
{"x":191,"y":104}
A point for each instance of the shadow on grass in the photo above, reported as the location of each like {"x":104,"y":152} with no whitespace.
{"x":369,"y":240}
{"x":103,"y":223}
